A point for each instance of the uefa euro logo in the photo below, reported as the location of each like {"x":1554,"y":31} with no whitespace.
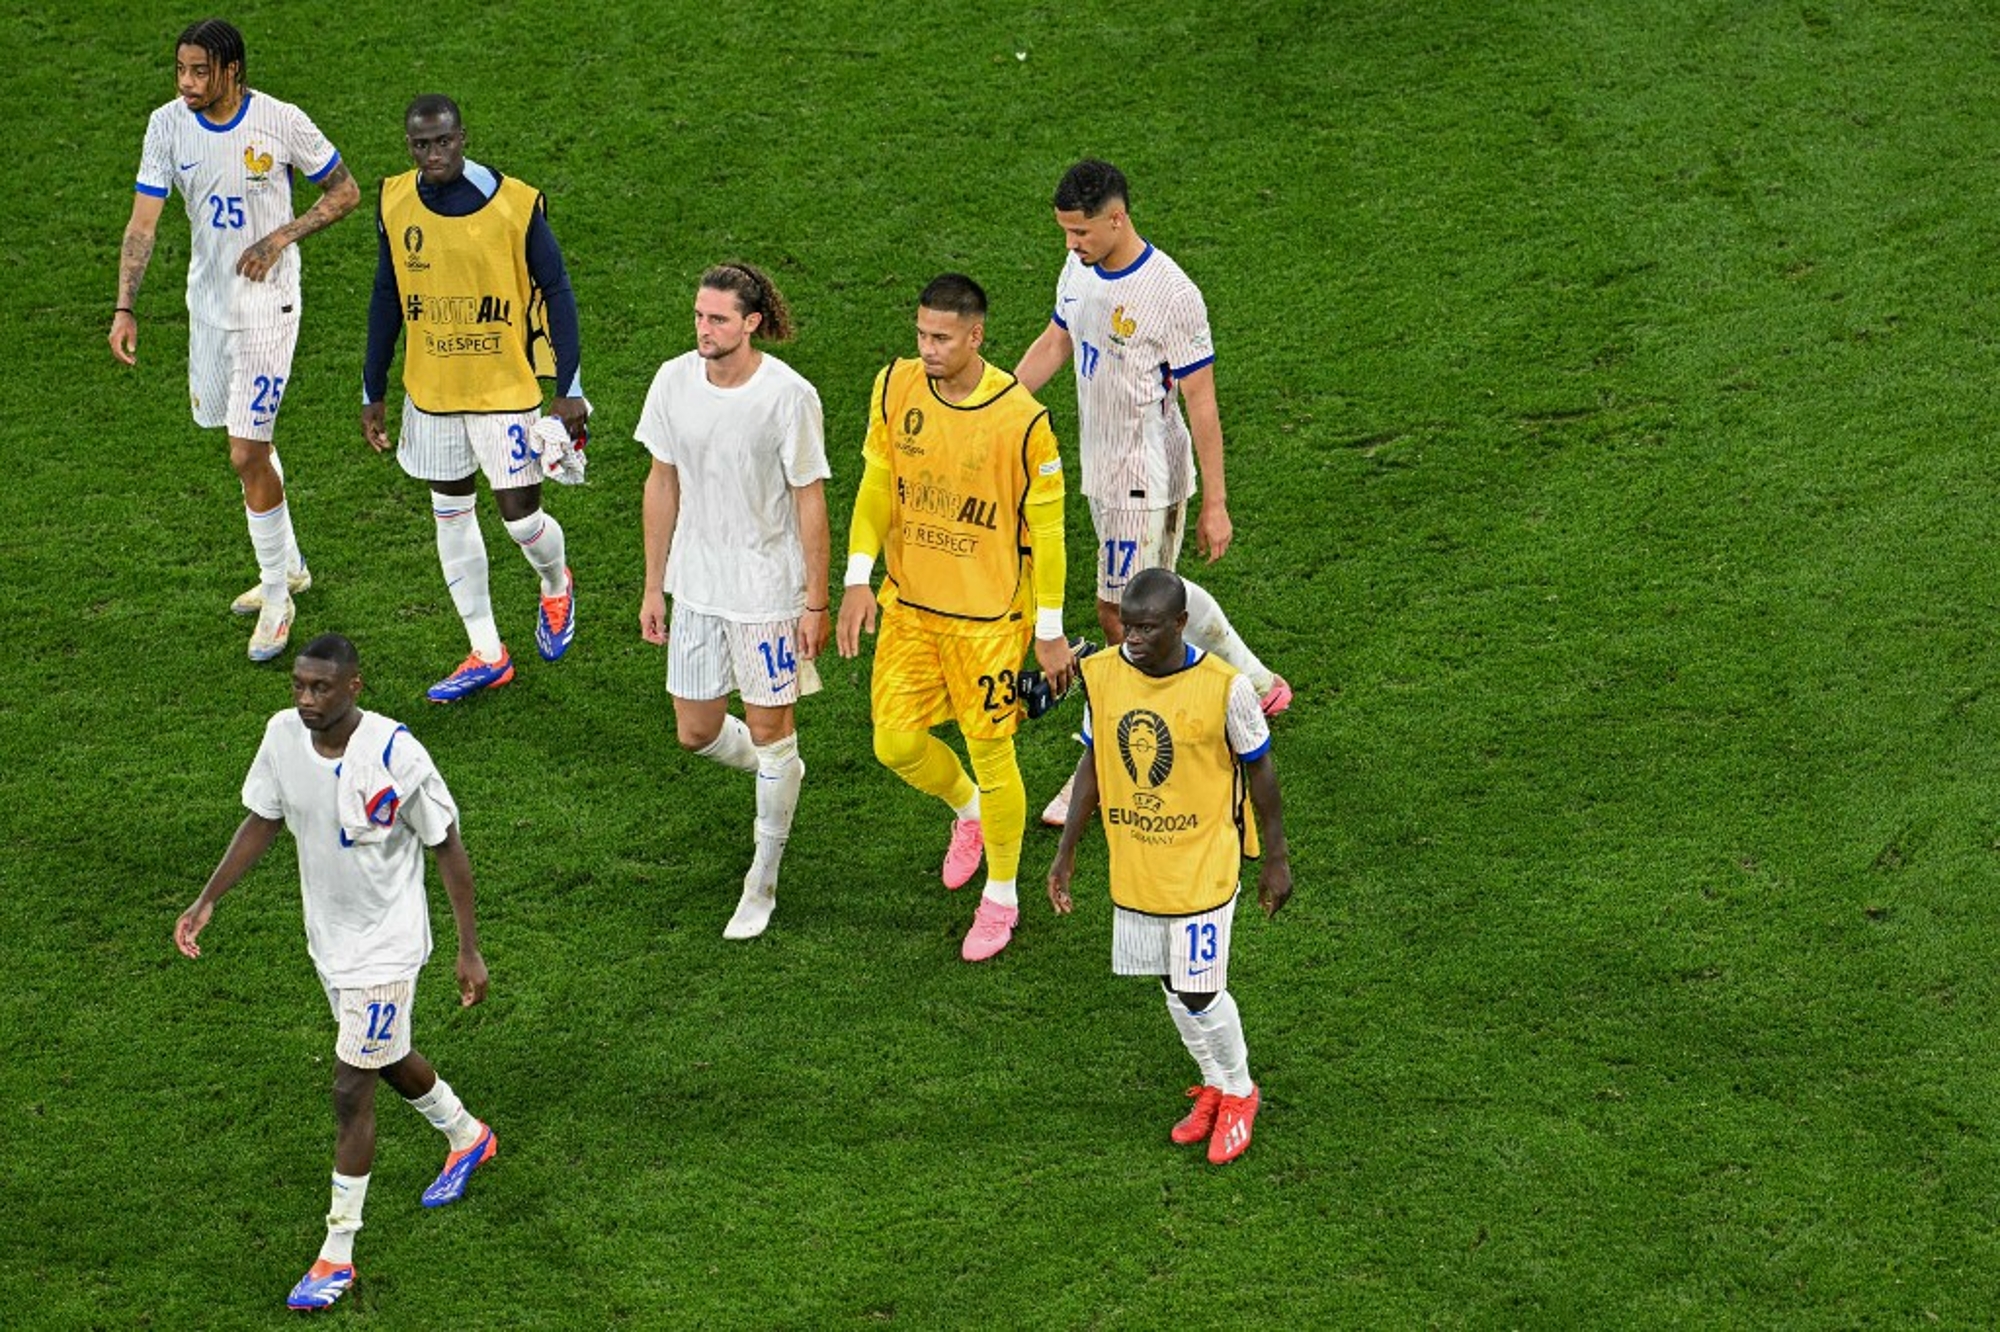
{"x":1146,"y":747}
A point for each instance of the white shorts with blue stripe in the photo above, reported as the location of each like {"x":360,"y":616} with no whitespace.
{"x":374,"y":1021}
{"x":1191,"y":951}
{"x":709,"y":657}
{"x":450,"y":446}
{"x":236,"y":376}
{"x":1129,"y":540}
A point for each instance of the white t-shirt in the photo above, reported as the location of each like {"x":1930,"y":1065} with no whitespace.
{"x":237,"y":182}
{"x":739,"y":453}
{"x":1133,"y":334}
{"x":367,"y":922}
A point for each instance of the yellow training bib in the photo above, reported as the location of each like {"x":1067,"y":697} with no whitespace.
{"x":1170,"y":788}
{"x":467,"y":299}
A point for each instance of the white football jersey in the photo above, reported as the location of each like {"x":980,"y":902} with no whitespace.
{"x":367,"y":922}
{"x":1133,"y":335}
{"x":237,"y":182}
{"x":738,"y":452}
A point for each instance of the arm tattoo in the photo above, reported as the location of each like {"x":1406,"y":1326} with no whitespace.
{"x":136,"y":254}
{"x":329,"y":209}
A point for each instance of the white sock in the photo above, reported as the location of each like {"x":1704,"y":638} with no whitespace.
{"x":343,"y":1217}
{"x":1223,"y":1027}
{"x":271,"y":538}
{"x":732,"y":748}
{"x":780,"y":771}
{"x":1209,"y":629}
{"x":1002,"y":891}
{"x":970,"y":810}
{"x":448,"y":1115}
{"x":462,"y":555}
{"x":1194,"y":1039}
{"x":540,"y":538}
{"x":293,"y":560}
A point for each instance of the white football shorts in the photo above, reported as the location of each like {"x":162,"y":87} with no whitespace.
{"x":236,"y":376}
{"x":452,"y":446}
{"x":1191,"y":951}
{"x":709,"y":657}
{"x":374,"y":1022}
{"x":1129,"y":540}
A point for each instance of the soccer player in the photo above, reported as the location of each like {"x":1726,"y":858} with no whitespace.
{"x":231,"y":152}
{"x":963,"y":493}
{"x":465,"y":256}
{"x":362,"y":800}
{"x":735,"y":524}
{"x":1172,"y":735}
{"x":1138,"y":332}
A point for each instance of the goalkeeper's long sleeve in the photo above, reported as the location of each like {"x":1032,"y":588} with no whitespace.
{"x":874,"y":503}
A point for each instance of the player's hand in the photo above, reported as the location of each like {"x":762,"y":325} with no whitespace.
{"x":257,"y":262}
{"x":1059,"y":874}
{"x":857,"y":614}
{"x":125,"y":337}
{"x":1058,"y":662}
{"x":1274,"y":885}
{"x":574,"y":413}
{"x":813,"y":628}
{"x":375,"y":425}
{"x":189,"y":927}
{"x":471,"y":978}
{"x":1213,"y":530}
{"x":653,"y":617}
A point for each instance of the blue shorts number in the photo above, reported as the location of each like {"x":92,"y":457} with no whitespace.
{"x":1201,"y":942}
{"x":270,"y":389}
{"x":779,"y":661}
{"x":519,"y":451}
{"x":1118,"y":558}
{"x":381,"y":1021}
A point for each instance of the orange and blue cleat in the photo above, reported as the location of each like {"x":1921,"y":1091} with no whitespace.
{"x":321,"y":1286}
{"x":473,"y":674}
{"x":555,"y":623}
{"x":450,"y":1184}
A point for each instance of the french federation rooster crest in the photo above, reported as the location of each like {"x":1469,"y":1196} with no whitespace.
{"x":259,"y":163}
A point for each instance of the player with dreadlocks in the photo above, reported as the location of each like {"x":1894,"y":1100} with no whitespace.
{"x":231,"y":152}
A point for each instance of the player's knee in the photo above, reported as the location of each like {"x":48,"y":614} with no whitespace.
{"x":250,"y":458}
{"x":696,"y":735}
{"x":411,"y":1076}
{"x":353,"y":1092}
{"x":993,"y":762}
{"x":899,"y":751}
{"x":1193,"y":1001}
{"x":519,"y":502}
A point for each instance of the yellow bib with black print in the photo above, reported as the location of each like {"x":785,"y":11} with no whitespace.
{"x":959,"y":546}
{"x":470,"y":309}
{"x":1169,"y":786}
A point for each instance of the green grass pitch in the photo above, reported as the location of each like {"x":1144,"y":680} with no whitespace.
{"x":1603,"y":385}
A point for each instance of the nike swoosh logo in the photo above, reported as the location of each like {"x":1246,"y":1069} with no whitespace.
{"x":373,"y":1049}
{"x":1067,"y":300}
{"x":517,"y":467}
{"x":1199,"y":971}
{"x":189,"y":166}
